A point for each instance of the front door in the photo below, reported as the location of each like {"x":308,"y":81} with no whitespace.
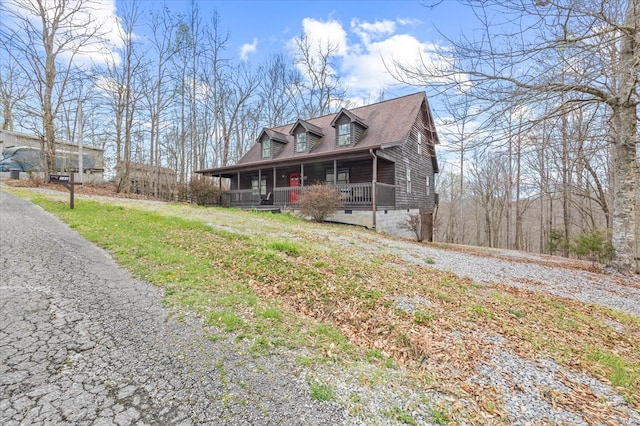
{"x":294,"y":183}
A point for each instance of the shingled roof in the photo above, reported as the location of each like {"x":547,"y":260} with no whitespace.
{"x":388,"y":123}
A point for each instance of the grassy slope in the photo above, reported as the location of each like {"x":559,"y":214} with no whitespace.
{"x":281,"y":281}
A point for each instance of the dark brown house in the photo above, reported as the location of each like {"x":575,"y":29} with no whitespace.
{"x":381,"y":157}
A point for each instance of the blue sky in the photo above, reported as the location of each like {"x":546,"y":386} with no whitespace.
{"x":369,"y":34}
{"x":366,"y":32}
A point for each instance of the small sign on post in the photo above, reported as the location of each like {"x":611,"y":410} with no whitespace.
{"x":58,"y":178}
{"x":68,"y":182}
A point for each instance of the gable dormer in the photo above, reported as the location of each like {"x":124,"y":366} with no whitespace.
{"x":350,"y":128}
{"x":271,"y":142}
{"x":305,"y":136}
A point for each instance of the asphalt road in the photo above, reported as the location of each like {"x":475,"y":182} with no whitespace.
{"x":82,"y":342}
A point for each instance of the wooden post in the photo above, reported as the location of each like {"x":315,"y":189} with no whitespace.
{"x":374,"y":181}
{"x":69,"y":183}
{"x":72,"y":198}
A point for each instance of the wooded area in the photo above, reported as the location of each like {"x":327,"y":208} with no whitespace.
{"x":179,"y":99}
{"x":538,"y":108}
{"x":546,"y":127}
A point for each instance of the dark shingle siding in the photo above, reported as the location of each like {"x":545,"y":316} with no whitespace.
{"x":406,"y":156}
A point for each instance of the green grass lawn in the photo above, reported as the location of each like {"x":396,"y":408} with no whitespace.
{"x":280,"y":282}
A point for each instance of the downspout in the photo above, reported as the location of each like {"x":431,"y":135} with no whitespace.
{"x":374,"y":206}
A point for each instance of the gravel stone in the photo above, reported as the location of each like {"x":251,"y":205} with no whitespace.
{"x":82,"y":342}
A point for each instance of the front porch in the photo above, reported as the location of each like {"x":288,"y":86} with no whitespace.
{"x":354,"y":196}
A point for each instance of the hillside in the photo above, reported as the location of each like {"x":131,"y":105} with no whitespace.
{"x":398,"y":331}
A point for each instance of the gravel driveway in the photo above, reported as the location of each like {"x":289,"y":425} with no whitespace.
{"x":83,"y":342}
{"x":527,"y":270}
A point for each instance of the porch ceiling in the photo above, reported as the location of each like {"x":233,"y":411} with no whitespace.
{"x":230,"y":171}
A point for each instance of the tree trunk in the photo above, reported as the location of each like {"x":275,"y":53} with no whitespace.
{"x":625,"y":132}
{"x":624,"y":203}
{"x":49,"y":148}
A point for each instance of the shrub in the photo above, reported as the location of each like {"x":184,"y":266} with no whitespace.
{"x":202,"y":191}
{"x":36,"y":179}
{"x":592,"y":245}
{"x":414,"y":224}
{"x":319,"y":201}
{"x":556,"y":241}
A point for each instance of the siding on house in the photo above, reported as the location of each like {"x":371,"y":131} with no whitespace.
{"x":421,"y":165}
{"x":386,"y":131}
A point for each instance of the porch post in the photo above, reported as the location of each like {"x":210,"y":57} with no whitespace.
{"x":301,"y":174}
{"x":273,"y":189}
{"x":335,"y":172}
{"x":238,"y":188}
{"x":374,"y":180}
{"x":259,"y":183}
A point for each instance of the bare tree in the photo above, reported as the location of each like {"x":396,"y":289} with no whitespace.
{"x":125,"y":84}
{"x":488,"y":184}
{"x":12,"y":92}
{"x":458,"y":130}
{"x":180,"y":59}
{"x":319,"y":92}
{"x":215,"y":68}
{"x":44,"y":37}
{"x":603,"y":67}
{"x":157,"y":91}
{"x":275,"y":91}
{"x":234,"y":95}
{"x":196,"y":47}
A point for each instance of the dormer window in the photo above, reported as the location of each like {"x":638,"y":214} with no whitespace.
{"x":350,"y":129}
{"x":266,"y":148}
{"x":301,"y":142}
{"x":344,"y":134}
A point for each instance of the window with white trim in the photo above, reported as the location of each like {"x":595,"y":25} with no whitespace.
{"x":419,"y":142}
{"x":266,"y":148}
{"x":343,"y":176}
{"x":301,"y":142}
{"x":255,"y":190}
{"x":408,"y":181}
{"x":344,"y":134}
{"x":428,"y":185}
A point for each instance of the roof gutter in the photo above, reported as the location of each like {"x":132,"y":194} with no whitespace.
{"x":291,"y":160}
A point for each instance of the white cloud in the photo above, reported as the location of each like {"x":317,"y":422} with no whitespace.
{"x":93,"y":17}
{"x":409,"y":21}
{"x":372,"y":30}
{"x":322,"y":37}
{"x":367,"y":70}
{"x":322,"y":34}
{"x":365,"y":50}
{"x":247,"y":48}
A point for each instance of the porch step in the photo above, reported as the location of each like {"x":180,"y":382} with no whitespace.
{"x":270,"y":209}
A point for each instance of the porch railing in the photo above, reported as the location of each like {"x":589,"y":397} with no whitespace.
{"x":244,"y":197}
{"x":385,"y":195}
{"x":352,"y":195}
